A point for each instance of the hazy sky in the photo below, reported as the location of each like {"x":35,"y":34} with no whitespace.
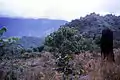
{"x":57,"y":9}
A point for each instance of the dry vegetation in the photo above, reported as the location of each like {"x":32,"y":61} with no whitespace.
{"x":43,"y":68}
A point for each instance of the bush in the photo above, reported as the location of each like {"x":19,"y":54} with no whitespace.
{"x":7,"y":45}
{"x":63,"y":43}
{"x":68,"y":40}
{"x":38,"y":49}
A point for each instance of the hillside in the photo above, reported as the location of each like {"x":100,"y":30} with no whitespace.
{"x":28,"y":42}
{"x":30,"y":27}
{"x":91,"y":25}
{"x":67,"y":54}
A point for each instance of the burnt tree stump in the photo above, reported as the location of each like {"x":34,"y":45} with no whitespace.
{"x":106,"y":44}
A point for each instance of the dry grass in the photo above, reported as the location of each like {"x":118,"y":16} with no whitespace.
{"x":105,"y":71}
{"x":42,"y":68}
{"x":98,"y":69}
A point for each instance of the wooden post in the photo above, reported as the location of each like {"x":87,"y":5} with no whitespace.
{"x":107,"y":45}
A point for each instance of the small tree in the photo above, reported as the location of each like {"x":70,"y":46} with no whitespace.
{"x":63,"y":43}
{"x":6,"y":44}
{"x":61,"y":40}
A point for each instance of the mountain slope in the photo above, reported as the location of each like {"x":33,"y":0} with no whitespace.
{"x":30,"y":27}
{"x":93,"y":24}
{"x":28,"y":42}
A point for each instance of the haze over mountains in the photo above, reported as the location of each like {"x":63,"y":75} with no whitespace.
{"x":30,"y":27}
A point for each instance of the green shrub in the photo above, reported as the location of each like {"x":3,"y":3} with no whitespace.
{"x":68,"y":40}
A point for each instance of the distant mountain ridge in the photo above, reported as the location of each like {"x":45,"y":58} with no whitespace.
{"x":30,"y":27}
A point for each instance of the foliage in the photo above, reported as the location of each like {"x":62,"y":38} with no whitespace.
{"x":7,"y":46}
{"x":92,"y":25}
{"x":11,"y":75}
{"x":63,"y":43}
{"x":38,"y":49}
{"x":68,"y":40}
{"x":61,"y":40}
{"x":2,"y":31}
{"x":13,"y":47}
